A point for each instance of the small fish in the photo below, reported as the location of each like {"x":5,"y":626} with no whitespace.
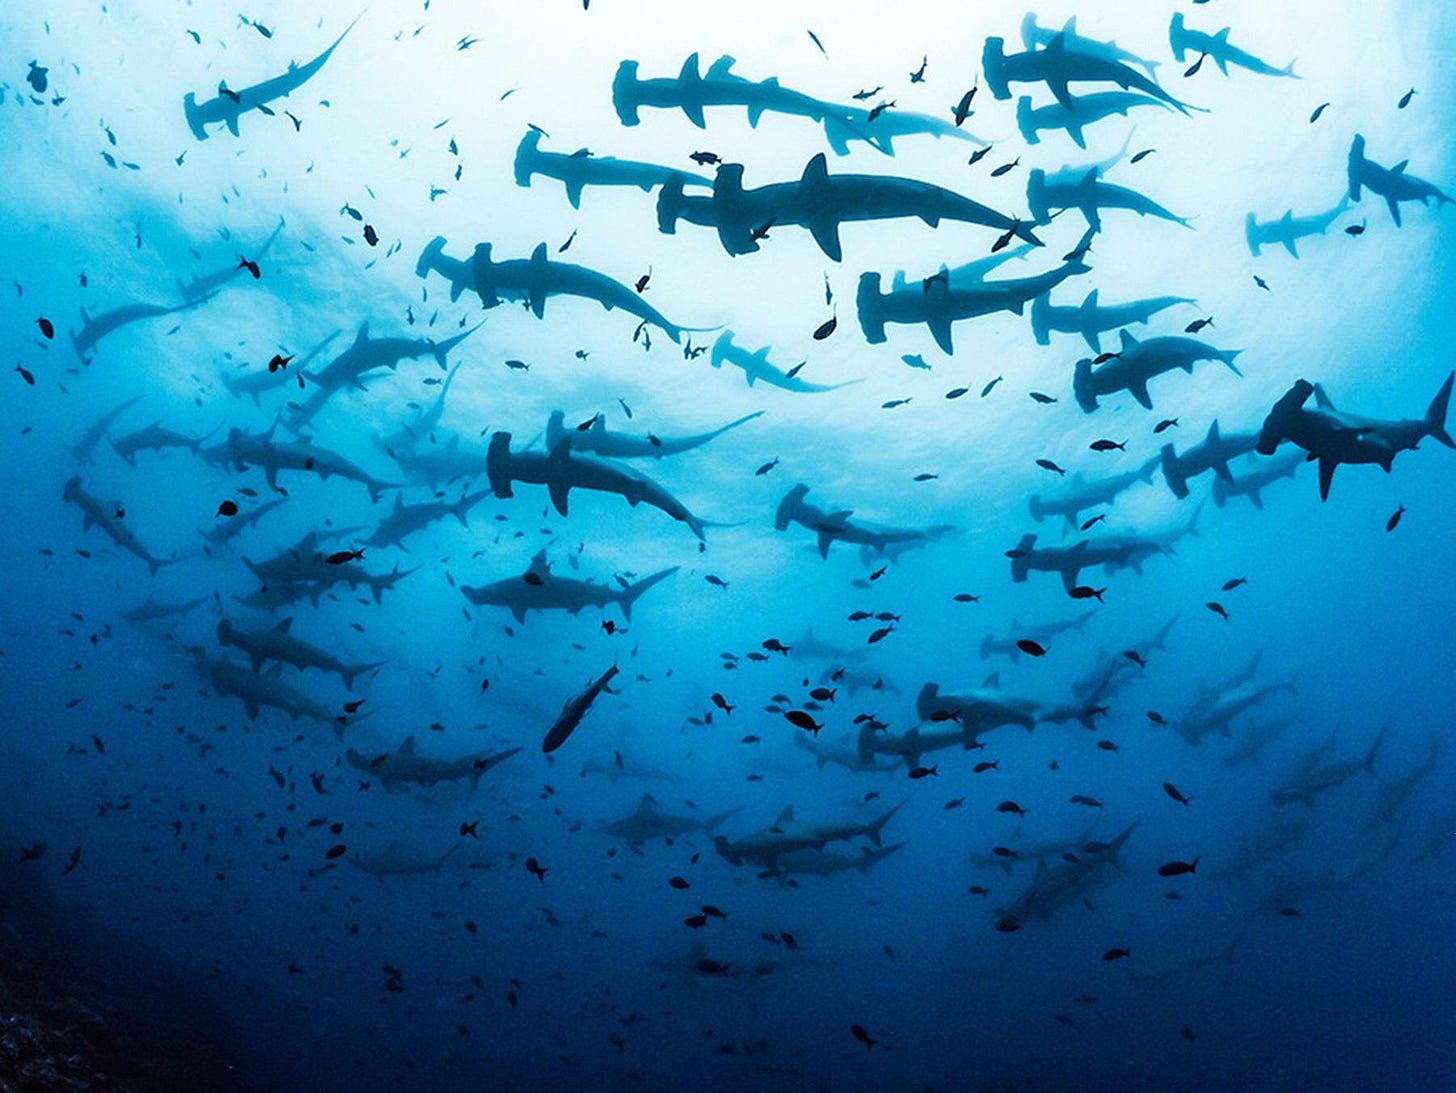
{"x":714,"y":579}
{"x":925,"y":772}
{"x":880,"y":634}
{"x":802,"y":720}
{"x":918,"y":76}
{"x":1008,"y":924}
{"x":1004,"y":239}
{"x":32,"y":853}
{"x":894,"y":402}
{"x":875,"y":576}
{"x":983,"y":767}
{"x":1157,"y":719}
{"x":46,"y":328}
{"x":722,"y":703}
{"x":828,"y":292}
{"x":536,"y":869}
{"x":1262,"y":283}
{"x":695,"y":922}
{"x":570,"y":239}
{"x":1404,"y":99}
{"x":1103,"y":358}
{"x":954,"y":803}
{"x":962,"y":109}
{"x":915,"y":360}
{"x":1166,"y":423}
{"x":770,"y":465}
{"x":1234,"y":582}
{"x":370,"y":235}
{"x":25,"y":374}
{"x":965,"y":597}
{"x":1391,"y":524}
{"x":250,"y":266}
{"x":863,"y":95}
{"x":956,"y":392}
{"x":1356,"y":229}
{"x":1048,"y":465}
{"x":990,"y":386}
{"x":1186,"y":1032}
{"x":1083,"y":799}
{"x":1289,"y":912}
{"x":518,"y":366}
{"x":1318,"y":110}
{"x":297,"y":122}
{"x":1093,"y":521}
{"x":1178,"y":868}
{"x":1192,"y":69}
{"x":823,"y":694}
{"x":339,"y":557}
{"x":1107,"y":745}
{"x":1011,"y":807}
{"x":1117,"y":954}
{"x":641,"y":283}
{"x":794,"y":371}
{"x":1144,"y":154}
{"x":1005,"y":168}
{"x":36,"y":77}
{"x":1173,"y":791}
{"x":1037,"y":396}
{"x":926,"y":477}
{"x":826,"y":328}
{"x":879,"y":109}
{"x":705,"y":159}
{"x":858,"y":1032}
{"x":815,"y":39}
{"x":1198,"y":324}
{"x":1108,"y":446}
{"x":1218,"y":609}
{"x":227,"y":508}
{"x":978,"y":155}
{"x":71,"y":862}
{"x":1031,"y":648}
{"x":1136,"y":657}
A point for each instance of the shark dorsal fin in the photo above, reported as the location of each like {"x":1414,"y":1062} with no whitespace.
{"x":1128,"y":341}
{"x":1090,"y":303}
{"x":1212,"y":437}
{"x":363,"y":335}
{"x":285,"y":626}
{"x":786,"y":816}
{"x":719,"y":69}
{"x":539,"y":565}
{"x":1222,"y":36}
{"x":1399,"y":168}
{"x":599,"y":423}
{"x":408,"y":747}
{"x":1091,"y":176}
{"x":645,"y":805}
{"x":993,"y":681}
{"x":690,"y":70}
{"x":816,"y":169}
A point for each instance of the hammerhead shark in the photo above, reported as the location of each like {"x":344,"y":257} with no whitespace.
{"x":1391,"y":183}
{"x":99,"y":429}
{"x":230,"y":105}
{"x":649,"y":821}
{"x":1262,"y":473}
{"x":1289,"y":229}
{"x":1311,"y":777}
{"x":561,"y":471}
{"x":109,"y":518}
{"x":1216,"y":48}
{"x":1092,"y":319}
{"x":977,"y":711}
{"x":1041,"y":632}
{"x":939,"y":302}
{"x":756,"y":367}
{"x":246,"y":450}
{"x":394,"y":862}
{"x":430,"y":463}
{"x":406,"y":766}
{"x":832,"y":526}
{"x":1110,"y":551}
{"x":787,"y":834}
{"x":252,"y":382}
{"x":1033,"y":35}
{"x":1212,"y":454}
{"x":1059,"y":64}
{"x":154,"y":438}
{"x":1215,"y":709}
{"x":1333,"y":437}
{"x":819,"y":202}
{"x":1089,"y":196}
{"x":538,"y":589}
{"x":1066,"y":882}
{"x":279,"y":643}
{"x":581,"y":169}
{"x":209,"y":283}
{"x":404,"y":520}
{"x":599,"y":441}
{"x":94,"y":328}
{"x":231,"y":679}
{"x":1140,"y":361}
{"x":423,"y":424}
{"x":533,"y":280}
{"x":1076,"y":116}
{"x":575,"y":708}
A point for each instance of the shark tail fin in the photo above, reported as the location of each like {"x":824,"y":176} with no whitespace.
{"x":1436,"y":413}
{"x":441,"y":350}
{"x":634,"y":590}
{"x":349,"y":671}
{"x":874,"y":829}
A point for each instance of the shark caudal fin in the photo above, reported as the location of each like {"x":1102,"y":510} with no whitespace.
{"x":441,"y":350}
{"x":349,"y":671}
{"x":1435,"y":420}
{"x":873,"y":832}
{"x":631,"y":593}
{"x":867,"y":300}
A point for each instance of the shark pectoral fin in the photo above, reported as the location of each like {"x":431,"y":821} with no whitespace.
{"x":694,"y":111}
{"x":1394,"y":209}
{"x":940,"y":331}
{"x":826,"y":538}
{"x":1222,"y":470}
{"x":232,"y":123}
{"x":1288,"y":242}
{"x":573,"y":193}
{"x":1139,"y":391}
{"x":826,"y":234}
{"x":559,"y":492}
{"x":1326,"y":475}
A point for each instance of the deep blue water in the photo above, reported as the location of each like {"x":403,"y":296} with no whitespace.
{"x":219,"y":851}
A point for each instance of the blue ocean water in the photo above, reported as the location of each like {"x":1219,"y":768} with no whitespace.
{"x":260,"y":771}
